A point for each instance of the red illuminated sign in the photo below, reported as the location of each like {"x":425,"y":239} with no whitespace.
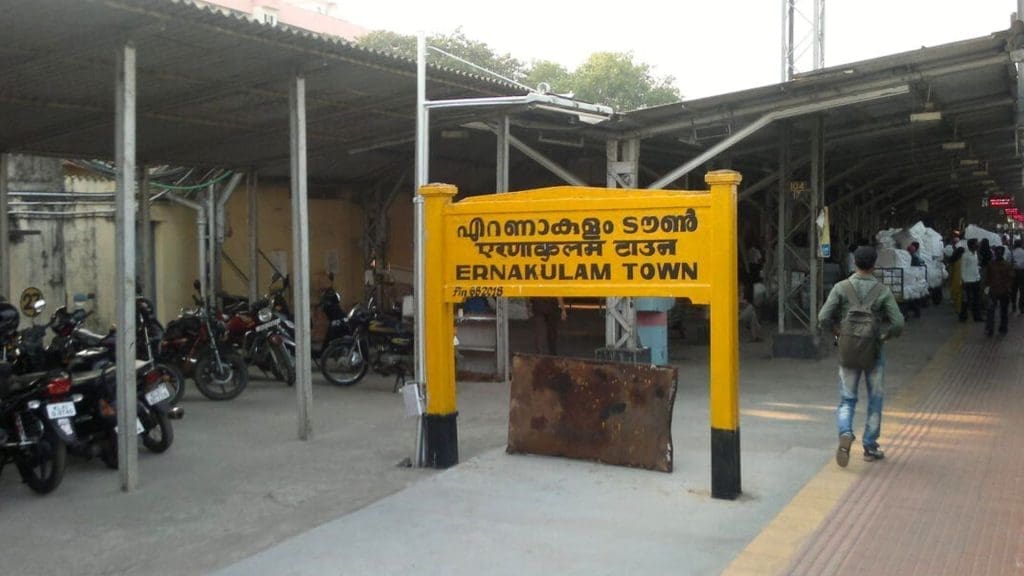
{"x":1000,"y":201}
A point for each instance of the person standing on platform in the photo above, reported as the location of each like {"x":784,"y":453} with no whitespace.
{"x":956,"y":288}
{"x":547,"y":313}
{"x":857,"y":311}
{"x":1017,"y":298}
{"x":998,"y":284}
{"x":748,"y":319}
{"x":970,"y":275}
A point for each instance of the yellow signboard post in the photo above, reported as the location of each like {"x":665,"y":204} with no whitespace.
{"x":579,"y":241}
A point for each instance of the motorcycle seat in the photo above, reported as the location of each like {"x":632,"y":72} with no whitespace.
{"x":87,"y":377}
{"x":18,"y":382}
{"x":89,"y":337}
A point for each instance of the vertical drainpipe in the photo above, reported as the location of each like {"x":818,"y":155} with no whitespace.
{"x":124,"y":147}
{"x":200,"y":237}
{"x":254,"y":263}
{"x":211,"y":243}
{"x":146,"y":238}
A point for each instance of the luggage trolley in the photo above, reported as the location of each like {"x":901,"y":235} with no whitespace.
{"x":893,"y":278}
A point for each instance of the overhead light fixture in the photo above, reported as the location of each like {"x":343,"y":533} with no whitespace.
{"x":954,"y":145}
{"x":979,"y":173}
{"x":925,"y":117}
{"x":969,"y":162}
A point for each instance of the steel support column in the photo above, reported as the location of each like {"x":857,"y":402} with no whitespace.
{"x":252,"y":193}
{"x":5,"y":231}
{"x":300,"y":255}
{"x":623,"y":159}
{"x":419,"y":280}
{"x":124,"y":156}
{"x":502,"y":361}
{"x":781,"y":279}
{"x":815,"y":206}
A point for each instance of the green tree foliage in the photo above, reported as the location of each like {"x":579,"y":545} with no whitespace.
{"x":558,"y":77}
{"x":611,"y":78}
{"x":614,"y":78}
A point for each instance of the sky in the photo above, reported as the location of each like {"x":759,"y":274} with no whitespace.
{"x":709,"y":46}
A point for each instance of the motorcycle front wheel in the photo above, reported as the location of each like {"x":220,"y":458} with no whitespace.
{"x":224,"y":380}
{"x":342,"y":364}
{"x":284,"y":364}
{"x":41,"y":465}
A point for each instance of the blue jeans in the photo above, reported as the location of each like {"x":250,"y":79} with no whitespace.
{"x":849,"y":382}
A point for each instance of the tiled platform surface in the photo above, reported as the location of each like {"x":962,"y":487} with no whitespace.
{"x":949,"y":497}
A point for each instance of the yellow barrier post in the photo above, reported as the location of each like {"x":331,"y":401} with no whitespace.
{"x":725,"y":393}
{"x":441,"y":431}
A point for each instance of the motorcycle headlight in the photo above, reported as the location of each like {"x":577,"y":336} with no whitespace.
{"x":264,"y":315}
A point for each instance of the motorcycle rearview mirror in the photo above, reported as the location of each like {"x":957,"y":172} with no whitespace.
{"x":197,"y":285}
{"x":330,"y":276}
{"x":275,"y":277}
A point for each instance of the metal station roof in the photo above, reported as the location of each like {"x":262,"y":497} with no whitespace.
{"x":213,"y":90}
{"x":972,"y":84}
{"x":212,"y":87}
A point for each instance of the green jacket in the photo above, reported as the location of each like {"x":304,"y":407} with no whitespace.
{"x":884,"y":307}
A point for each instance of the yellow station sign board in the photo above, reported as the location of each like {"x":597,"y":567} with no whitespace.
{"x":579,"y":241}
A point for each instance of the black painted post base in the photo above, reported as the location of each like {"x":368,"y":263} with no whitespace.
{"x":442,"y":440}
{"x":725,"y":464}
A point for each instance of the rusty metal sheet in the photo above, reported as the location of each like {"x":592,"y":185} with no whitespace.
{"x":591,"y":410}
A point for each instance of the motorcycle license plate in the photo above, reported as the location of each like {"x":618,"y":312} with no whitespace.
{"x":158,"y":394}
{"x":139,"y":428}
{"x":60,"y":410}
{"x":268,"y":325}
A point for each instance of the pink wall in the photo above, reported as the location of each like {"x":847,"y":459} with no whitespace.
{"x":292,"y":15}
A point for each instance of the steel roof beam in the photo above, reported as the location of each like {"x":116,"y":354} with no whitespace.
{"x":924,"y":75}
{"x":767,"y":119}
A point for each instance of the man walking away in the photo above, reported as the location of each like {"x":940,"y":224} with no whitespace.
{"x":970,"y":275}
{"x":547,"y":312}
{"x":1018,"y":271}
{"x":856,"y":310}
{"x":998,"y":282}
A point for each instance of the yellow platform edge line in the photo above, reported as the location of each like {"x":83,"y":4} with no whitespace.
{"x":776,"y":546}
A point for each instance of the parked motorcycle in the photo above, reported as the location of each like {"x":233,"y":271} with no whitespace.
{"x":88,"y":373}
{"x":194,"y":343}
{"x":35,"y":412}
{"x":260,"y":334}
{"x":96,"y":422}
{"x":101,"y":349}
{"x":365,"y":338}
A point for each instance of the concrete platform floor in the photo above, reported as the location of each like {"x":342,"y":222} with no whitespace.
{"x":236,"y":482}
